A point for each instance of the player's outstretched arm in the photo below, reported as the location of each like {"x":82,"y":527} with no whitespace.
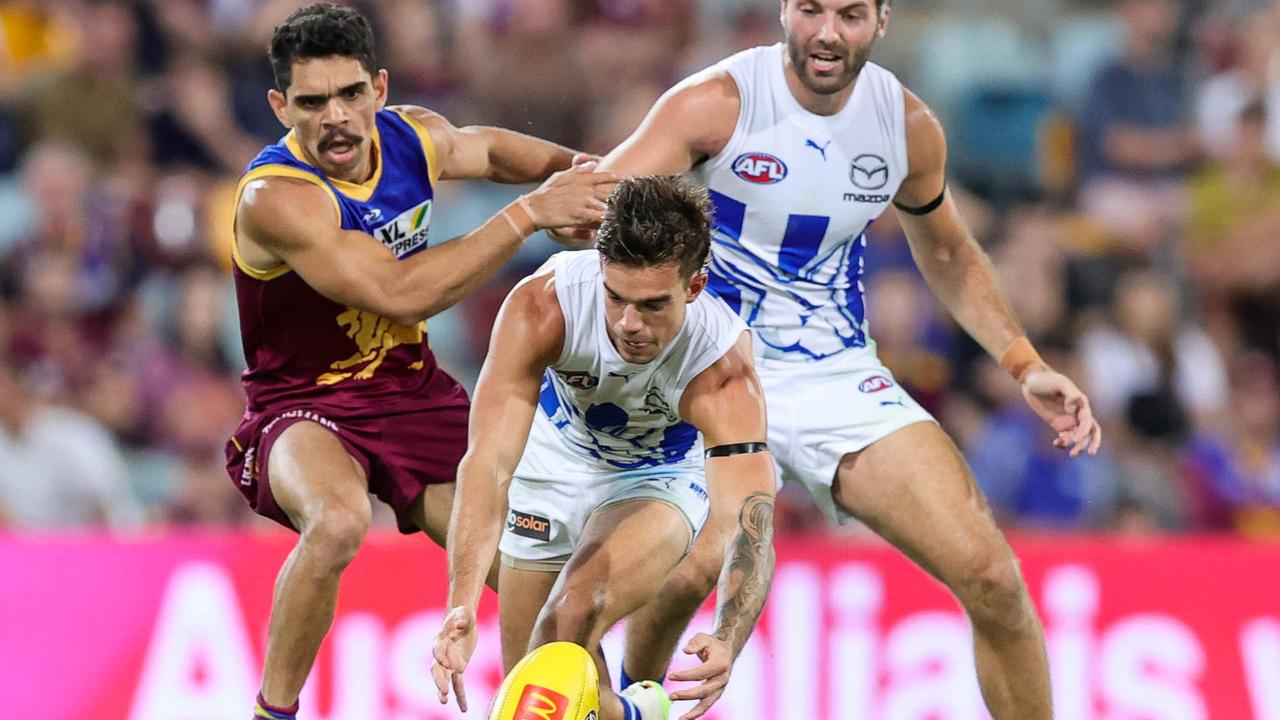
{"x":490,"y":153}
{"x":691,"y":122}
{"x":964,"y":279}
{"x":726,"y":403}
{"x":527,"y":337}
{"x":282,"y":219}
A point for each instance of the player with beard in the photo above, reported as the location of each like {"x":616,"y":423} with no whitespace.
{"x":802,"y":145}
{"x":334,"y":275}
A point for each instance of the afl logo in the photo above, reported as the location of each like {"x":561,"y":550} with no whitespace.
{"x":759,"y":168}
{"x":875,"y":383}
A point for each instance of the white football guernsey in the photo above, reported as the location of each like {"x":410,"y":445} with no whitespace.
{"x":793,"y":194}
{"x":608,"y":412}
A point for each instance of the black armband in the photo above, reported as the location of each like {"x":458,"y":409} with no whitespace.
{"x":736,"y":449}
{"x":923,"y":209}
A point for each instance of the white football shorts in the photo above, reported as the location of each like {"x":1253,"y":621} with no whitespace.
{"x":554,"y":492}
{"x":821,"y":411}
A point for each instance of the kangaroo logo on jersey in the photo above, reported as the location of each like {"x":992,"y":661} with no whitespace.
{"x":760,"y":168}
{"x":875,"y":383}
{"x":869,"y":172}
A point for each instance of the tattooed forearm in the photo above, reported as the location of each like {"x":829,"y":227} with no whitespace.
{"x":748,"y":570}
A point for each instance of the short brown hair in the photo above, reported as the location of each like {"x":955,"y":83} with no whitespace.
{"x":655,"y":220}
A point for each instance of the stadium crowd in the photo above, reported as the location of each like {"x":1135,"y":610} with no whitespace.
{"x":1120,"y":161}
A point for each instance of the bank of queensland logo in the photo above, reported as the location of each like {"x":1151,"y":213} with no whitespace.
{"x":407,"y":233}
{"x":869,"y":172}
{"x":875,"y":383}
{"x":760,"y":168}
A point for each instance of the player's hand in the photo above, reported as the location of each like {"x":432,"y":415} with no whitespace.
{"x":452,"y":651}
{"x":717,"y":663}
{"x":1061,"y":404}
{"x":570,"y":198}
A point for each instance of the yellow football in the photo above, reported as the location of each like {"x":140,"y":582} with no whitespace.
{"x":554,"y":682}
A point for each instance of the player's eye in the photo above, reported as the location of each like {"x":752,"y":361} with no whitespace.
{"x":353,"y":93}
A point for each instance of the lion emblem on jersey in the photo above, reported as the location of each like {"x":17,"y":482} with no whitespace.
{"x":375,"y":336}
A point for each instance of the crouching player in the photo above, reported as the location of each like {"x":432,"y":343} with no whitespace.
{"x":608,"y":373}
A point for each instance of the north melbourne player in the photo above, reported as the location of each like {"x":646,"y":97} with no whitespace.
{"x":608,"y":374}
{"x":802,"y":145}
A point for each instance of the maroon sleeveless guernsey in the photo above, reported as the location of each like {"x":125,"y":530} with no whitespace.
{"x":305,"y":350}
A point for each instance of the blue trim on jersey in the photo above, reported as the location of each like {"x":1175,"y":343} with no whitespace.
{"x":405,"y":181}
{"x":801,"y":242}
{"x":607,"y":422}
{"x":729,"y":215}
{"x":801,"y":264}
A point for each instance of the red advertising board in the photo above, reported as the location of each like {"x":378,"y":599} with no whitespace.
{"x":172,"y":628}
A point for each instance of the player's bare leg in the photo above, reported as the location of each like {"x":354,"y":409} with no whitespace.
{"x":524,"y":594}
{"x":431,"y":512}
{"x":324,"y":492}
{"x":915,"y":490}
{"x":654,"y":631}
{"x":626,"y":552}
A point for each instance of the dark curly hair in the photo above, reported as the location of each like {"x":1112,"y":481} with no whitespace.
{"x":655,"y":220}
{"x":320,"y":30}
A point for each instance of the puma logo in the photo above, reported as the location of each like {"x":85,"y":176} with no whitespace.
{"x":820,"y":148}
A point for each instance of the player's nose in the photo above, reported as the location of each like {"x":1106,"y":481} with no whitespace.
{"x":334,"y":114}
{"x":631,"y":320}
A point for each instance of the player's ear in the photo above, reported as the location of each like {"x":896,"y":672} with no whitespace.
{"x":882,"y":22}
{"x":380,"y":88}
{"x":696,"y":286}
{"x":277,"y":101}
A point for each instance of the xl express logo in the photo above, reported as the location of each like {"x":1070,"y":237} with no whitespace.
{"x":407,"y":232}
{"x":760,"y":168}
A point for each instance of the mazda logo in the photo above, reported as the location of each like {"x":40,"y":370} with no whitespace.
{"x":869,"y":172}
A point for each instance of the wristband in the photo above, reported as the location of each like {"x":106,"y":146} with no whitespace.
{"x":736,"y":449}
{"x":1019,"y":358}
{"x":518,"y":217}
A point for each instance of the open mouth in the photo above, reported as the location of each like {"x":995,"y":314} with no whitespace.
{"x":340,"y":152}
{"x":635,"y":345}
{"x":824,"y":63}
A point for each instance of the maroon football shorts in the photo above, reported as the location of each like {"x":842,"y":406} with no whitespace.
{"x":402,"y":451}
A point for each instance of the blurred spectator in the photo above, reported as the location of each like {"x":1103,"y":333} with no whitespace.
{"x":913,"y":338}
{"x":190,"y":124}
{"x":94,"y":103}
{"x":1233,"y":226}
{"x":1234,"y":468}
{"x":1136,"y":140}
{"x":1029,"y":482}
{"x":1253,"y":77}
{"x":59,"y":468}
{"x":1149,"y":365}
{"x":535,"y":41}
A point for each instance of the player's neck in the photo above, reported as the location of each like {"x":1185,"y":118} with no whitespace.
{"x":816,"y":103}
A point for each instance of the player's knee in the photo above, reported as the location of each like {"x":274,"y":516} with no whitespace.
{"x":336,"y":533}
{"x":575,"y":616}
{"x":995,"y":596}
